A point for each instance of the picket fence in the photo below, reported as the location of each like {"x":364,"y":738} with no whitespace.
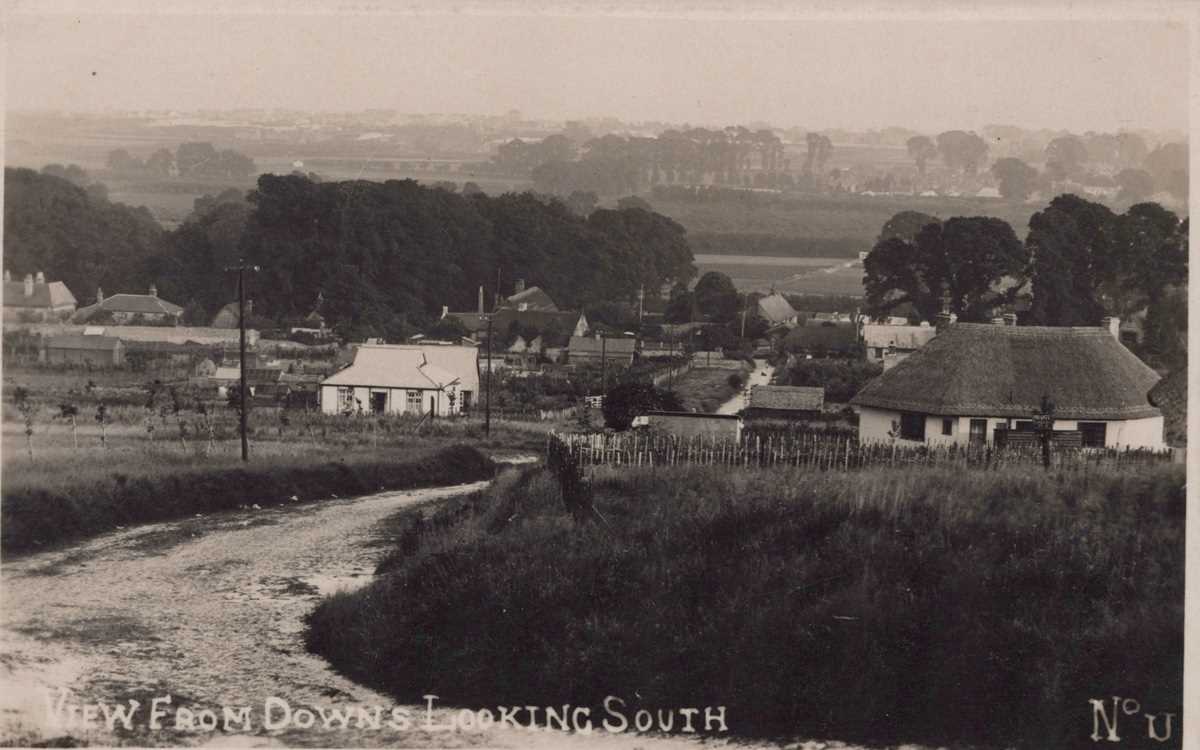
{"x":819,"y":452}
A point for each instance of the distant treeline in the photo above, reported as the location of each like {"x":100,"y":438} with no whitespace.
{"x":738,"y":243}
{"x":378,"y":258}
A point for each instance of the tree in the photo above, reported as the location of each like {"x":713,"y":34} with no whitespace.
{"x":820,"y":148}
{"x":448,"y":328}
{"x":582,"y":203}
{"x":625,"y":401}
{"x":1131,"y":149}
{"x":1071,"y":243}
{"x":716,"y":297}
{"x":962,"y":151}
{"x":970,"y":264}
{"x":1065,"y":157}
{"x":160,"y":163}
{"x":1168,"y":164}
{"x":633,"y":201}
{"x":906,"y":225}
{"x":1136,"y":185}
{"x":921,"y":148}
{"x":121,"y":162}
{"x":1016,"y":178}
{"x":195,"y":158}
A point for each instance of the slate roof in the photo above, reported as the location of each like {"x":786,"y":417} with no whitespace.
{"x":973,"y":369}
{"x":503,"y":318}
{"x":388,"y":366}
{"x":134,"y":304}
{"x":47,"y":295}
{"x":775,"y":308}
{"x":83,"y":343}
{"x":593,"y":345}
{"x":535,"y":298}
{"x":899,"y":337}
{"x":789,"y":397}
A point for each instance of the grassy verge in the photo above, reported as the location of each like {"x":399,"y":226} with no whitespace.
{"x":704,"y":390}
{"x":942,"y":607}
{"x":96,"y":494}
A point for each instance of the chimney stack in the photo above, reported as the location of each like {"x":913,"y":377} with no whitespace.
{"x":944,"y":319}
{"x":481,"y":299}
{"x":28,"y":285}
{"x":1113,"y":324}
{"x":1010,"y":319}
{"x":520,"y":286}
{"x":445,"y":310}
{"x":153,"y":291}
{"x":40,"y":278}
{"x":99,"y":294}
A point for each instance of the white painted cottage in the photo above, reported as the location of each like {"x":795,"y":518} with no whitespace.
{"x":405,"y":379}
{"x":973,"y":377}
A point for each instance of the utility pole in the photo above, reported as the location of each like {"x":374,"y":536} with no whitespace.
{"x":603,"y":364}
{"x":241,"y":269}
{"x":487,"y":404}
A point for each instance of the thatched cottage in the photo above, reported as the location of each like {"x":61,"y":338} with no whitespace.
{"x":974,"y":378}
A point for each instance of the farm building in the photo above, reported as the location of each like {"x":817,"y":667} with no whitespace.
{"x":403,"y":379}
{"x":688,"y":424}
{"x":615,"y":351}
{"x":36,"y":299}
{"x":126,"y":308}
{"x":776,"y":310}
{"x":533,"y":298}
{"x":785,"y":401}
{"x":75,"y":349}
{"x":889,"y":344}
{"x":973,"y":379}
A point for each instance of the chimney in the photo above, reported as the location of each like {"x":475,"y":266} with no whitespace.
{"x":445,"y":309}
{"x":1113,"y":324}
{"x":520,"y":286}
{"x":944,"y":319}
{"x":28,"y":285}
{"x":40,"y":278}
{"x":1010,"y":319}
{"x":153,"y":291}
{"x":99,"y":294}
{"x":481,"y":299}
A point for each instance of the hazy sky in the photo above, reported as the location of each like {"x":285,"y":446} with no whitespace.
{"x":925,"y":74}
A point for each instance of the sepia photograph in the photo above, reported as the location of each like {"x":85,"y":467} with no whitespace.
{"x":647,"y":376}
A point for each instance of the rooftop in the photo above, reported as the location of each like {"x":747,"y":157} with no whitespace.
{"x":790,"y":397}
{"x":973,"y":369}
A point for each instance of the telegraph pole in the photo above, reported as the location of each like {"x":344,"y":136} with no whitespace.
{"x":241,"y":272}
{"x":487,"y":406}
{"x":603,"y":363}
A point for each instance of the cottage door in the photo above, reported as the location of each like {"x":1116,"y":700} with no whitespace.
{"x":978,"y":431}
{"x":378,"y":402}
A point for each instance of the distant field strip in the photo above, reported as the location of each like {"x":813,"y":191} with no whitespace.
{"x":808,"y":275}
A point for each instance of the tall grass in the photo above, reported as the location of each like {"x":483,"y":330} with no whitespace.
{"x":42,"y":508}
{"x":928,"y":605}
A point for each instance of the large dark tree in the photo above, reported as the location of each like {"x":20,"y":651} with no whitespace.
{"x":971,"y":265}
{"x":716,"y":297}
{"x":1072,"y":244}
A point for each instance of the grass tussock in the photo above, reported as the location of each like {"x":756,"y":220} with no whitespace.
{"x":39,"y":510}
{"x":935,"y":606}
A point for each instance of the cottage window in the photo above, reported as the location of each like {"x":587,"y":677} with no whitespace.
{"x":912,"y":426}
{"x":947,"y":425}
{"x":1093,"y":434}
{"x":413,"y":402}
{"x":1024,"y":425}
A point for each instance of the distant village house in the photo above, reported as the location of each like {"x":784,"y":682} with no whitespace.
{"x":131,"y":308}
{"x":36,"y":300}
{"x":404,"y":379}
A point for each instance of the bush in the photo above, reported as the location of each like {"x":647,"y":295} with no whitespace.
{"x":933,"y":606}
{"x":842,"y":379}
{"x":625,"y":401}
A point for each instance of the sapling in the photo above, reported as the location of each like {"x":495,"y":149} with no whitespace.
{"x":102,"y":419}
{"x":28,"y":410}
{"x":69,"y":412}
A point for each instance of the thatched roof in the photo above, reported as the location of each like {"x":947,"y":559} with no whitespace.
{"x":972,"y":369}
{"x":1170,"y":396}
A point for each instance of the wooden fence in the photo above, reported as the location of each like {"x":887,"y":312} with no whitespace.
{"x":819,"y":452}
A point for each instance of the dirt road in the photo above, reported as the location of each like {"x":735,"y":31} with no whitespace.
{"x":760,"y":376}
{"x":210,"y":611}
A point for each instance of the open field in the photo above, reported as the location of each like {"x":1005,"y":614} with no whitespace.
{"x":840,"y":217}
{"x":883,"y":606}
{"x":758,"y":273}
